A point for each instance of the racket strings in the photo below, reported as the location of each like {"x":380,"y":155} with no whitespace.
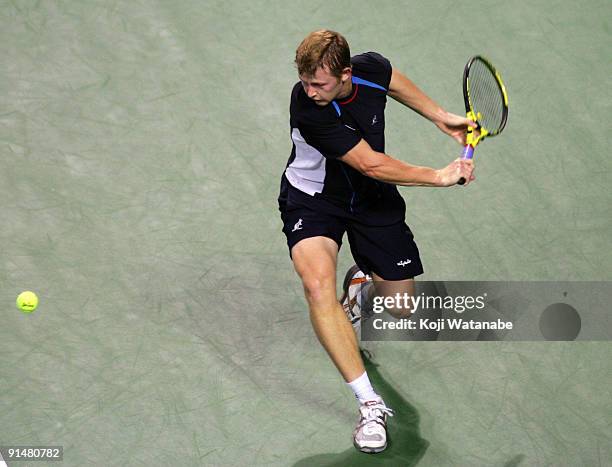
{"x":486,"y":96}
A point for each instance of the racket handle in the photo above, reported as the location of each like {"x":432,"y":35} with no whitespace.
{"x":468,"y":153}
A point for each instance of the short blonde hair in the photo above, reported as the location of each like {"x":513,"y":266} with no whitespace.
{"x":325,"y":49}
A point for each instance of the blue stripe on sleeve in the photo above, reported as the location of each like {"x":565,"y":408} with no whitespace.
{"x":364,"y":82}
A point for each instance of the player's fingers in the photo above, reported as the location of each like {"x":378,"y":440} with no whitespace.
{"x":464,"y":173}
{"x":467,"y":167}
{"x":459,"y":121}
{"x":472,"y":177}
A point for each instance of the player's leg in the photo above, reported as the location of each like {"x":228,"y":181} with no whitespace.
{"x":387,"y":253}
{"x":314,"y":260}
{"x":314,"y":240}
{"x":391,"y":288}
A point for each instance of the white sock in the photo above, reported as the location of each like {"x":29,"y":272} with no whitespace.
{"x":363,"y":389}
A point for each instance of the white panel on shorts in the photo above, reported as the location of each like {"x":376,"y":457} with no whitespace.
{"x":307,"y":171}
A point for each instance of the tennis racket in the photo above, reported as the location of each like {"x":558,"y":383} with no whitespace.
{"x":486,"y":103}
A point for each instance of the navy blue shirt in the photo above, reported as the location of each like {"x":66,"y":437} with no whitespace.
{"x":314,"y":177}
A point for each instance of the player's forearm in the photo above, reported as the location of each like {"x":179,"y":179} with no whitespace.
{"x":407,"y":93}
{"x":396,"y":172}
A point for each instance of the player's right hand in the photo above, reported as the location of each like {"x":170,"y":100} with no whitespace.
{"x":455,"y":171}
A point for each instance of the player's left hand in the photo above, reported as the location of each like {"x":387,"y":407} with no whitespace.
{"x":455,"y":126}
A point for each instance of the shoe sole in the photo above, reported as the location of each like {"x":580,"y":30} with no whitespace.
{"x":368,"y":450}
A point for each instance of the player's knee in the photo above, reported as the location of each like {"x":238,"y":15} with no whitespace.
{"x":318,"y":289}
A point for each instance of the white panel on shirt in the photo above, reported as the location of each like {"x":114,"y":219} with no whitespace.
{"x":307,"y":171}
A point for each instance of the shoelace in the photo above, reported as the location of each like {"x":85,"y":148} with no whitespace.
{"x":369,"y":413}
{"x":348,"y":309}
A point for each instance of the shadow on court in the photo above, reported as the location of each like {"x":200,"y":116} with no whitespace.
{"x":515,"y":461}
{"x":405,"y":445}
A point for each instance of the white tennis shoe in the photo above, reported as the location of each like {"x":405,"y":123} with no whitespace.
{"x":353,"y":291}
{"x":370,"y":435}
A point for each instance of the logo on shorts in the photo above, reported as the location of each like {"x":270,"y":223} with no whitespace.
{"x":297,"y":226}
{"x":374,"y":120}
{"x":404,"y":263}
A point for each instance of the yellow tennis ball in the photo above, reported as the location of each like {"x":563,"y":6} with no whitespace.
{"x":27,"y":301}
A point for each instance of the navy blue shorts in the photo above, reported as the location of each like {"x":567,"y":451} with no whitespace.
{"x":388,"y":250}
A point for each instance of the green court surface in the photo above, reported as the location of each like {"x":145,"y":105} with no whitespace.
{"x":141,"y":148}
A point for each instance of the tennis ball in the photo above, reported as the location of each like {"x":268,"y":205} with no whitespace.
{"x":27,"y":301}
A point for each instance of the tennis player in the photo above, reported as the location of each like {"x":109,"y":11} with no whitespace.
{"x":338,"y":179}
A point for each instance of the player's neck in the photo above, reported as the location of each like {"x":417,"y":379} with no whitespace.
{"x":347,"y":89}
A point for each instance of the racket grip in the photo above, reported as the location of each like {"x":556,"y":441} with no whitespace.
{"x":468,"y":153}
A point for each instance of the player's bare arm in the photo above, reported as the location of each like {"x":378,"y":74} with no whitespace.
{"x":385,"y":168}
{"x":406,"y":92}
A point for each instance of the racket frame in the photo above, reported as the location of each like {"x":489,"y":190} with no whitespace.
{"x":472,"y":139}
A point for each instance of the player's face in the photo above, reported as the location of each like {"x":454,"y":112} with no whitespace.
{"x":323,"y":87}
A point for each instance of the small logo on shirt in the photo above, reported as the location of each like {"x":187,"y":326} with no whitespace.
{"x":374,"y":120}
{"x":404,"y":263}
{"x":297,"y":226}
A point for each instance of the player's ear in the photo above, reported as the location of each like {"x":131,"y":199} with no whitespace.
{"x":346,"y":75}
